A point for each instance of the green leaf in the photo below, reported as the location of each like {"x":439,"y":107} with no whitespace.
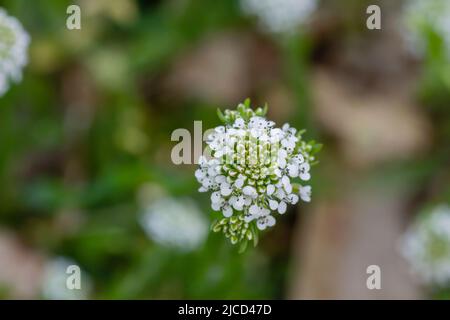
{"x":241,"y":109}
{"x":221,"y":116}
{"x":316,"y":148}
{"x":255,"y":235}
{"x":265,"y":109}
{"x":300,"y":133}
{"x":243,"y":246}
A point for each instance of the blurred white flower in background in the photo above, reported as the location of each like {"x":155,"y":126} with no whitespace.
{"x":54,"y":283}
{"x":176,"y":223}
{"x":280,"y":15}
{"x":13,"y":50}
{"x":426,"y":246}
{"x":421,"y":17}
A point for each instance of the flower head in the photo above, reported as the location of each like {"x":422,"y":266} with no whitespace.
{"x":13,"y":50}
{"x":175,"y":223}
{"x":254,"y":172}
{"x":427,"y":246}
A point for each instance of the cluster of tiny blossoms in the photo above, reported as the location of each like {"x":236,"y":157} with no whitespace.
{"x":13,"y":50}
{"x":255,"y":170}
{"x":426,"y":246}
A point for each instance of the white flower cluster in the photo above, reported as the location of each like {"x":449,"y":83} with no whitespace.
{"x":427,"y":247}
{"x":13,"y":50}
{"x":175,"y":223}
{"x":252,"y":171}
{"x":280,"y":15}
{"x":421,"y":16}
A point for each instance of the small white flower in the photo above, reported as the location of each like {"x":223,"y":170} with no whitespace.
{"x":281,"y":162}
{"x":239,"y":123}
{"x":254,"y":210}
{"x":220,"y":179}
{"x":273,"y":205}
{"x":239,"y":182}
{"x":277,"y":171}
{"x":270,"y":189}
{"x":225,"y":189}
{"x":298,"y":159}
{"x":305,"y":193}
{"x":286,"y":184}
{"x":282,"y":207}
{"x":176,"y":223}
{"x":282,"y":154}
{"x":293,"y":170}
{"x":14,"y":43}
{"x":304,"y":171}
{"x":265,"y":221}
{"x":200,"y":174}
{"x":227,"y":211}
{"x":249,"y":191}
{"x":280,"y":194}
{"x":289,"y":143}
{"x":287,"y":128}
{"x":207,"y":182}
{"x":292,"y":198}
{"x":215,"y":197}
{"x":426,"y":245}
{"x":202,"y":161}
{"x":238,"y":202}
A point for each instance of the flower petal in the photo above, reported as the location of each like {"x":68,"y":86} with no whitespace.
{"x":249,"y":191}
{"x":270,"y":189}
{"x":227,"y":211}
{"x":270,"y":221}
{"x":273,"y":205}
{"x":261,"y":224}
{"x":282,"y":207}
{"x":239,"y":183}
{"x":254,"y":210}
{"x":225,"y":189}
{"x":215,"y":197}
